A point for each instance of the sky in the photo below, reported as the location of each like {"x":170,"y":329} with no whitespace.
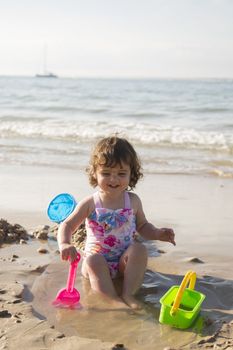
{"x":117,"y":38}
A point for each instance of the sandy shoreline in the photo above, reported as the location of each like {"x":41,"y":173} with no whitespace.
{"x":200,"y":211}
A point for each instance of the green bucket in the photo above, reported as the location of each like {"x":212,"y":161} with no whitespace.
{"x":180,"y":305}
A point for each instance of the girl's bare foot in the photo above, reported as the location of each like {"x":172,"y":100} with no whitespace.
{"x":132,"y":302}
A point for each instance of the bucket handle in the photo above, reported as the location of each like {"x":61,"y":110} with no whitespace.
{"x":190,"y":277}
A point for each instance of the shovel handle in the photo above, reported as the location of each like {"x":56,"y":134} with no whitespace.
{"x":72,"y":274}
{"x":190,"y":278}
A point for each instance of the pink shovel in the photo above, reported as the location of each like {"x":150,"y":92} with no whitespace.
{"x":69,"y":296}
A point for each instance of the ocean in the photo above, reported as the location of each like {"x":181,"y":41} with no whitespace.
{"x":177,"y":126}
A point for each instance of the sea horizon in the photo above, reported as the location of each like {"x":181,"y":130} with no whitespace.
{"x":74,"y":76}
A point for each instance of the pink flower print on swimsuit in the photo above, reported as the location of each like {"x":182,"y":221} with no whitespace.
{"x":111,"y":240}
{"x":110,"y":232}
{"x":96,"y":227}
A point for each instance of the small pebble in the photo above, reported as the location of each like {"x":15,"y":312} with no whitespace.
{"x":16,"y":301}
{"x":118,"y":346}
{"x":5,"y":314}
{"x":42,"y":250}
{"x":195,"y":260}
{"x":39,"y":269}
{"x":22,"y":241}
{"x":60,"y":336}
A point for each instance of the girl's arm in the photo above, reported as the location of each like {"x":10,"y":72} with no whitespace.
{"x":149,"y":231}
{"x":69,"y":226}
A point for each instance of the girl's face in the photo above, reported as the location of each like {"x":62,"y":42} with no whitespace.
{"x":113,"y":180}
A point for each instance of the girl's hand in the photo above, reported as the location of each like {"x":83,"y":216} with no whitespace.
{"x":166,"y":235}
{"x":68,"y":251}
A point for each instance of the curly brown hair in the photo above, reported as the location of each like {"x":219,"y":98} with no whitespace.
{"x":112,"y":151}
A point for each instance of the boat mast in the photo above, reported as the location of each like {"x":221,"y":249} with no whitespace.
{"x":45,"y":59}
{"x":45,"y":73}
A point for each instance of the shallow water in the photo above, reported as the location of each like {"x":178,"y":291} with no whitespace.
{"x":95,"y":319}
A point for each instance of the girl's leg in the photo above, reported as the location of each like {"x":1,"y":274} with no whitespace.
{"x":133,"y":265}
{"x":95,"y":268}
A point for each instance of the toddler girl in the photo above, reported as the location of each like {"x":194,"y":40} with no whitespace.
{"x":112,"y":216}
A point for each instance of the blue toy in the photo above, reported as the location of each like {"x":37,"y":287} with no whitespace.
{"x":61,"y":207}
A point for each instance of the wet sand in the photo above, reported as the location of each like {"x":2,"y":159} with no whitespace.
{"x":200,"y":211}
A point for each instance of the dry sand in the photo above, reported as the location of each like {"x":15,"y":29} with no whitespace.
{"x":200,"y":211}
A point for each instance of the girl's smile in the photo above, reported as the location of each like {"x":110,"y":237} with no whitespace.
{"x":113,"y":178}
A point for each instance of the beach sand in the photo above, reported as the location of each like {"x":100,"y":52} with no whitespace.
{"x":199,"y":209}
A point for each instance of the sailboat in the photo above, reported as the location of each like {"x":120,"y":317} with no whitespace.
{"x":45,"y":73}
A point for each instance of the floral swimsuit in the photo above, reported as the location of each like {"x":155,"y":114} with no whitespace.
{"x":110,"y":232}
